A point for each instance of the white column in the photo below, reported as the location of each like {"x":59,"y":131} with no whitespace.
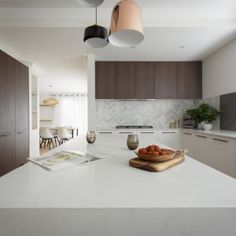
{"x":91,"y":92}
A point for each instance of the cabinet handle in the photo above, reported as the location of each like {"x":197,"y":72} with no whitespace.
{"x":168,"y":132}
{"x":200,"y":136}
{"x":187,"y":133}
{"x":4,"y":135}
{"x":105,"y":132}
{"x":146,"y":132}
{"x":126,"y":132}
{"x":19,"y":132}
{"x":220,"y":140}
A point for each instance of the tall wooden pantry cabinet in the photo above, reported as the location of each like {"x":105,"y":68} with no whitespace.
{"x":14,"y":113}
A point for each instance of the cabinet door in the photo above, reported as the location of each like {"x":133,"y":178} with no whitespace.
{"x":145,"y":80}
{"x":170,"y":139}
{"x":22,"y":147}
{"x":7,"y":154}
{"x":22,"y":97}
{"x":125,"y":80}
{"x":7,"y":92}
{"x":105,"y":80}
{"x":190,"y":80}
{"x":201,"y":148}
{"x":222,"y":155}
{"x":188,"y":143}
{"x":147,"y":138}
{"x":166,"y":74}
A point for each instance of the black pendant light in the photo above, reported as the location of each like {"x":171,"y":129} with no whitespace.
{"x":96,"y":36}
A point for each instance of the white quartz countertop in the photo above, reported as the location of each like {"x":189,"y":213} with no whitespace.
{"x":112,"y":183}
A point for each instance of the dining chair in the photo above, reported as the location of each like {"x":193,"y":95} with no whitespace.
{"x":47,"y":137}
{"x":63,"y":135}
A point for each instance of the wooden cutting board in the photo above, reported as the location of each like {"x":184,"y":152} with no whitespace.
{"x":157,"y":166}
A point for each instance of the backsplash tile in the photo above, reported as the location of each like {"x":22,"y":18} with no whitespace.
{"x":159,"y":113}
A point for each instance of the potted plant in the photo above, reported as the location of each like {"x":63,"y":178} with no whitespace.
{"x":204,"y":114}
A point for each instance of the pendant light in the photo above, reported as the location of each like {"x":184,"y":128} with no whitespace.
{"x":126,"y":28}
{"x":90,"y":3}
{"x":96,"y":36}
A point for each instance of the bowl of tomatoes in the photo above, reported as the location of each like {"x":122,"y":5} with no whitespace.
{"x":155,"y":153}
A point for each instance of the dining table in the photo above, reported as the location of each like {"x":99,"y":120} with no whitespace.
{"x":74,"y":130}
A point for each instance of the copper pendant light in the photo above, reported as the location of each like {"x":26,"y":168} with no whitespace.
{"x":126,"y":28}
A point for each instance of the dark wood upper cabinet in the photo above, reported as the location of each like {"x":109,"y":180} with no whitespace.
{"x":7,"y":154}
{"x":22,"y":147}
{"x":125,"y":80}
{"x":148,"y":80}
{"x":190,"y":80}
{"x":105,"y":80}
{"x":166,"y":74}
{"x":22,"y":97}
{"x":144,"y":80}
{"x":7,"y":92}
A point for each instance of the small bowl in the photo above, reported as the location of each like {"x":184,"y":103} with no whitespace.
{"x":158,"y":158}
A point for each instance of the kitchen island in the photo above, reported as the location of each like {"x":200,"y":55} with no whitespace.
{"x":108,"y":197}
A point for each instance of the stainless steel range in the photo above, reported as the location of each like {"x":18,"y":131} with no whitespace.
{"x":134,"y":127}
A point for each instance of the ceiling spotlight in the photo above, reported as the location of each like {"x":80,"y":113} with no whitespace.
{"x":126,"y":28}
{"x":96,"y":36}
{"x":90,"y":3}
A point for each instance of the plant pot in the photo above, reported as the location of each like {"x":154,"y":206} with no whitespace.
{"x":200,"y":125}
{"x":207,"y":126}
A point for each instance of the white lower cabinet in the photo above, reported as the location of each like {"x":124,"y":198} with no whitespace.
{"x":147,"y":138}
{"x":222,"y":155}
{"x":170,"y":139}
{"x":104,"y":136}
{"x":201,"y":148}
{"x":217,"y":152}
{"x":187,"y":139}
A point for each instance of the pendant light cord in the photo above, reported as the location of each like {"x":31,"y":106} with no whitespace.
{"x":96,"y":15}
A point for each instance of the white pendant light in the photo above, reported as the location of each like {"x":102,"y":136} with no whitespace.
{"x":90,"y":3}
{"x":126,"y":28}
{"x":96,"y":36}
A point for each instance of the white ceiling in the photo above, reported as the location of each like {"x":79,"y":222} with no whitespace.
{"x":49,"y":33}
{"x":110,"y":3}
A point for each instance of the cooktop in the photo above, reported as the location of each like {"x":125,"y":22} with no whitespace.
{"x":134,"y":127}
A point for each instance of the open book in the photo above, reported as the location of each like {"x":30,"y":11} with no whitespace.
{"x":62,"y":160}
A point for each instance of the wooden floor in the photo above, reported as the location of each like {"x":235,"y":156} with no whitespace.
{"x":43,"y":150}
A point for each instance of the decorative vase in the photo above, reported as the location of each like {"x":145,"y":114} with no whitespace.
{"x":91,"y":136}
{"x":207,"y":126}
{"x":132,"y":141}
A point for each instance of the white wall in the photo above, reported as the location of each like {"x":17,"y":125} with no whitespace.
{"x":219,"y":71}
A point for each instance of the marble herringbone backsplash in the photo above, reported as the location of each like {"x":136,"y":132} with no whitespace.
{"x":159,"y":113}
